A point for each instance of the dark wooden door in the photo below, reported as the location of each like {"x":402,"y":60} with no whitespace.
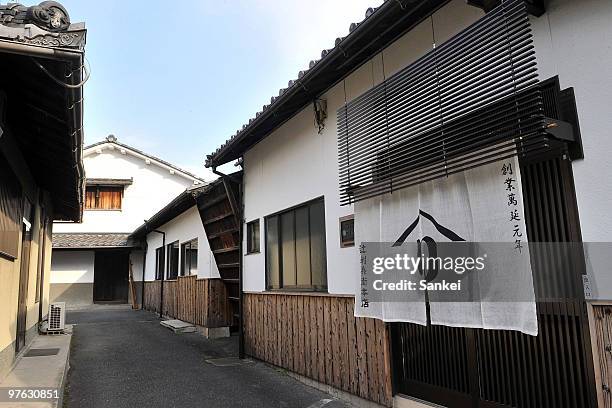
{"x":24,"y":275}
{"x":111,"y":276}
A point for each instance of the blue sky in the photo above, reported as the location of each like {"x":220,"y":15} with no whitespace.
{"x":176,"y":79}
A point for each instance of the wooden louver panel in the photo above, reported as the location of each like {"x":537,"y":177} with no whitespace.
{"x":468,"y":102}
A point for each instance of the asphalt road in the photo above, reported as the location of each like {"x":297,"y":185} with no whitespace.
{"x":124,"y":358}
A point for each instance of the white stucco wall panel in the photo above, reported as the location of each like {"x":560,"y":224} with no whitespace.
{"x":451,"y":19}
{"x":136,"y":258}
{"x":408,"y":48}
{"x":574,"y":40}
{"x":72,"y":267}
{"x":183,"y":228}
{"x":153,"y":187}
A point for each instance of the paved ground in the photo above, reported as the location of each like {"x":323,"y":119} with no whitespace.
{"x":124,"y":358}
{"x":41,"y":366}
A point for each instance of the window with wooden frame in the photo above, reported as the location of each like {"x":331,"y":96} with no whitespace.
{"x":189,"y":257}
{"x":10,"y":211}
{"x":347,"y":231}
{"x":253,"y":237}
{"x":103,"y":197}
{"x":295,"y":248}
{"x":159,"y":263}
{"x":173,"y":260}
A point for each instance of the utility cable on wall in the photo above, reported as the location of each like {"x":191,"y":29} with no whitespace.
{"x":62,"y":83}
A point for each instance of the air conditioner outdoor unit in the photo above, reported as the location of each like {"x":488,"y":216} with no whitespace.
{"x":57,"y":316}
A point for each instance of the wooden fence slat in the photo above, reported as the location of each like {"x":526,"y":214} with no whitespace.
{"x":278,"y":334}
{"x":384,"y":363}
{"x":270,"y":328}
{"x":362,"y":359}
{"x":329,"y":363}
{"x":343,"y":338}
{"x":290,"y":322}
{"x":314,"y":335}
{"x":353,"y":372}
{"x":307,"y":336}
{"x":372,"y":360}
{"x":300,"y":329}
{"x":322,"y":362}
{"x":335,"y":344}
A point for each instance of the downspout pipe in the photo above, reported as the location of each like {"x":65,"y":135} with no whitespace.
{"x":144,"y":269}
{"x":161,"y":296}
{"x":241,"y":353}
{"x":42,"y":261}
{"x":227,"y":176}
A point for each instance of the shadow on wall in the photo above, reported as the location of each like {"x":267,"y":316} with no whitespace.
{"x":81,"y":294}
{"x":74,"y":294}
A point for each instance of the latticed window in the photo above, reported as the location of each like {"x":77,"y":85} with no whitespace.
{"x":103,"y":198}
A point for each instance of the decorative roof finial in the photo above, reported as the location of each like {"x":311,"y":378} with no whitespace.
{"x":111,"y":138}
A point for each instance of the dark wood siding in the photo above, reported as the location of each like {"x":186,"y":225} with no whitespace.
{"x":199,"y":301}
{"x":317,"y":336}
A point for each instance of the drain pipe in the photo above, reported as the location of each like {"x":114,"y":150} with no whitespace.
{"x":41,"y":265}
{"x":241,"y":353}
{"x":144,"y":269}
{"x":161,"y":295}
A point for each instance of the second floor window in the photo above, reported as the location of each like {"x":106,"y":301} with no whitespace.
{"x":103,"y":198}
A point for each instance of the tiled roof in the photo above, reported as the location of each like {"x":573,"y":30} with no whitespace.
{"x":90,"y":240}
{"x":109,"y":182}
{"x":112,"y":139}
{"x":44,"y":25}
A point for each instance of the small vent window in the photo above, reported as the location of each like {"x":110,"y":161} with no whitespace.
{"x":253,"y":237}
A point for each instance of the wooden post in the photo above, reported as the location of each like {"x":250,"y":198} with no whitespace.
{"x":133,"y":288}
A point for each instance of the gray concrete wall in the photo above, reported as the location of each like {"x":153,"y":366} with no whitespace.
{"x":74,"y":294}
{"x":7,"y":356}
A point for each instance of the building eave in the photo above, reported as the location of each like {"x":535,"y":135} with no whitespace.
{"x":122,"y":147}
{"x":38,"y":51}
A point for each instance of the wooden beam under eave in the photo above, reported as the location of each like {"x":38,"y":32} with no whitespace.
{"x":534,"y":7}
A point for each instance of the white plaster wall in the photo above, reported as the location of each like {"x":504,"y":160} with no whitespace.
{"x":136,"y":258}
{"x":295,"y":164}
{"x":72,"y":267}
{"x":574,"y":40}
{"x":153,"y":187}
{"x":183,"y":228}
